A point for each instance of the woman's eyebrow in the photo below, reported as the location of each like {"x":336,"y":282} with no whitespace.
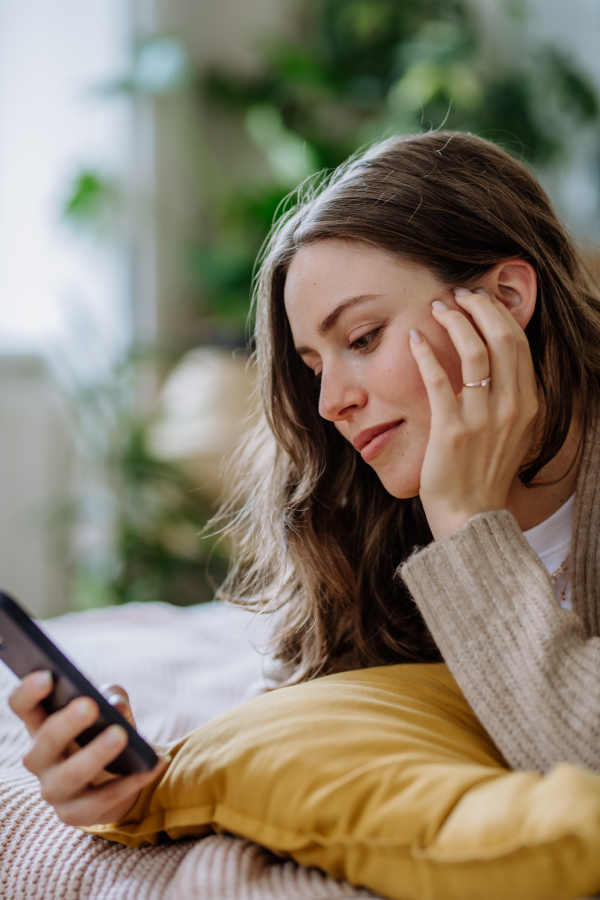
{"x":330,"y":320}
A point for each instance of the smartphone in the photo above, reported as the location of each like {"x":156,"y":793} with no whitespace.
{"x":24,"y":648}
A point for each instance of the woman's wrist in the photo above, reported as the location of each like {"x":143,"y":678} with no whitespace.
{"x":442,"y":523}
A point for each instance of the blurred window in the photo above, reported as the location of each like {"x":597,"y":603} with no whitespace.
{"x":54,"y":121}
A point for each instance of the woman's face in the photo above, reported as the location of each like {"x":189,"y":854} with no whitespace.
{"x":350,"y":308}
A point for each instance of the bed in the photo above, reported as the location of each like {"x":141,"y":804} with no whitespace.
{"x":181,"y":667}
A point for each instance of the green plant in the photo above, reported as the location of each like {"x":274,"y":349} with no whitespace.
{"x":354,"y":71}
{"x":145,"y":514}
{"x":161,"y":515}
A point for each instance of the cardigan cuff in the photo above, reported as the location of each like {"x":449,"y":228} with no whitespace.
{"x":488,"y":602}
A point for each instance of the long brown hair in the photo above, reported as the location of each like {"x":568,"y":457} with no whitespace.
{"x":316,"y":535}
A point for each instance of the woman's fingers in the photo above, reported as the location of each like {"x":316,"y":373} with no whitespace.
{"x":526,"y":379}
{"x":510,"y":354}
{"x":111,"y":801}
{"x":439,"y":390}
{"x":70,"y":777}
{"x":26,"y":698}
{"x":57,"y":732}
{"x":474,"y":356}
{"x":74,"y":779}
{"x":474,"y":359}
{"x":499,"y":331}
{"x":478,"y":438}
{"x":525,"y":371}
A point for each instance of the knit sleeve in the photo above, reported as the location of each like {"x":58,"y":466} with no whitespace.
{"x":525,"y":665}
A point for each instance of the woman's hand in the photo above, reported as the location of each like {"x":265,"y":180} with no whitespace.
{"x":73,"y":780}
{"x":480,"y":437}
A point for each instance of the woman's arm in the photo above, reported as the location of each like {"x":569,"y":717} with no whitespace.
{"x":526,"y":666}
{"x":523,"y":663}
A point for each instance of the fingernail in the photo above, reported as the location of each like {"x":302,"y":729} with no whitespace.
{"x":440,"y":305}
{"x":117,"y":699}
{"x":43,"y":679}
{"x":114,"y":735}
{"x":84,"y":708}
{"x":482,"y":292}
{"x":168,"y":757}
{"x":460,"y":291}
{"x":415,"y":336}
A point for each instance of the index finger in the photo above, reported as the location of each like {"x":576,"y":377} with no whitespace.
{"x":442,"y":399}
{"x":26,"y":698}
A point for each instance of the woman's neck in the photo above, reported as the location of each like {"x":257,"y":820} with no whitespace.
{"x":533,"y":505}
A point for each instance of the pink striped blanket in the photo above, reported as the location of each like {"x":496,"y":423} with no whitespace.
{"x":181,"y":667}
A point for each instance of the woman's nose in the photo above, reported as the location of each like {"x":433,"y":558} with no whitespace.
{"x":340,"y":395}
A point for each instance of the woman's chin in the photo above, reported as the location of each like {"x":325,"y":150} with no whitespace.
{"x":401,"y":484}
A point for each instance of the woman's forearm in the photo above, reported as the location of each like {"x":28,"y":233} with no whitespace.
{"x":524,"y":664}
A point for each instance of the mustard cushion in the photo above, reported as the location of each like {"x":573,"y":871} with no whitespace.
{"x":383,"y":777}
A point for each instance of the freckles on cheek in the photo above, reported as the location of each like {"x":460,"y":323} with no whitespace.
{"x":448,"y":358}
{"x":406,"y":384}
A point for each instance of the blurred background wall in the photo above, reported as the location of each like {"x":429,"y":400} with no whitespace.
{"x":145,"y":147}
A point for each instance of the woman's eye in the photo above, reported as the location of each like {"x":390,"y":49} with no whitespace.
{"x":364,"y":342}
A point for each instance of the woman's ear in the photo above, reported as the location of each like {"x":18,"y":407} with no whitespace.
{"x":514,"y":283}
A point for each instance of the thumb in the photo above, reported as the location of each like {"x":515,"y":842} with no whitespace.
{"x":118,"y":697}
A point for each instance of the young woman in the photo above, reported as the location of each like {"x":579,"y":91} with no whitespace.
{"x":422,"y":483}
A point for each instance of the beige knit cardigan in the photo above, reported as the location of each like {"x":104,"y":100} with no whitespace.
{"x":529,"y":669}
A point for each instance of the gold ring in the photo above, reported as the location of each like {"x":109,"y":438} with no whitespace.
{"x":483,"y":383}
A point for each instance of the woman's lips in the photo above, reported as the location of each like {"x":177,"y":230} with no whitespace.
{"x":371,"y":441}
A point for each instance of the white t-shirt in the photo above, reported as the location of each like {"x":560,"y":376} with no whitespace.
{"x":551,"y":540}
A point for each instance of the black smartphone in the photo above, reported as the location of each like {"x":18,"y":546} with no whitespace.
{"x":24,"y":648}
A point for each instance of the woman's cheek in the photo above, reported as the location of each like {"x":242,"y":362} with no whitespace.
{"x":401,"y":384}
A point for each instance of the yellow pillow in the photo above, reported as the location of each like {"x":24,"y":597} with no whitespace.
{"x":383,"y":777}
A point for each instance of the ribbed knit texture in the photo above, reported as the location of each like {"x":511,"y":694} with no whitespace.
{"x":529,"y":669}
{"x":182,"y":668}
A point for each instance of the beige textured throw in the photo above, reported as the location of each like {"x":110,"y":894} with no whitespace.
{"x":181,"y":667}
{"x":529,"y":669}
